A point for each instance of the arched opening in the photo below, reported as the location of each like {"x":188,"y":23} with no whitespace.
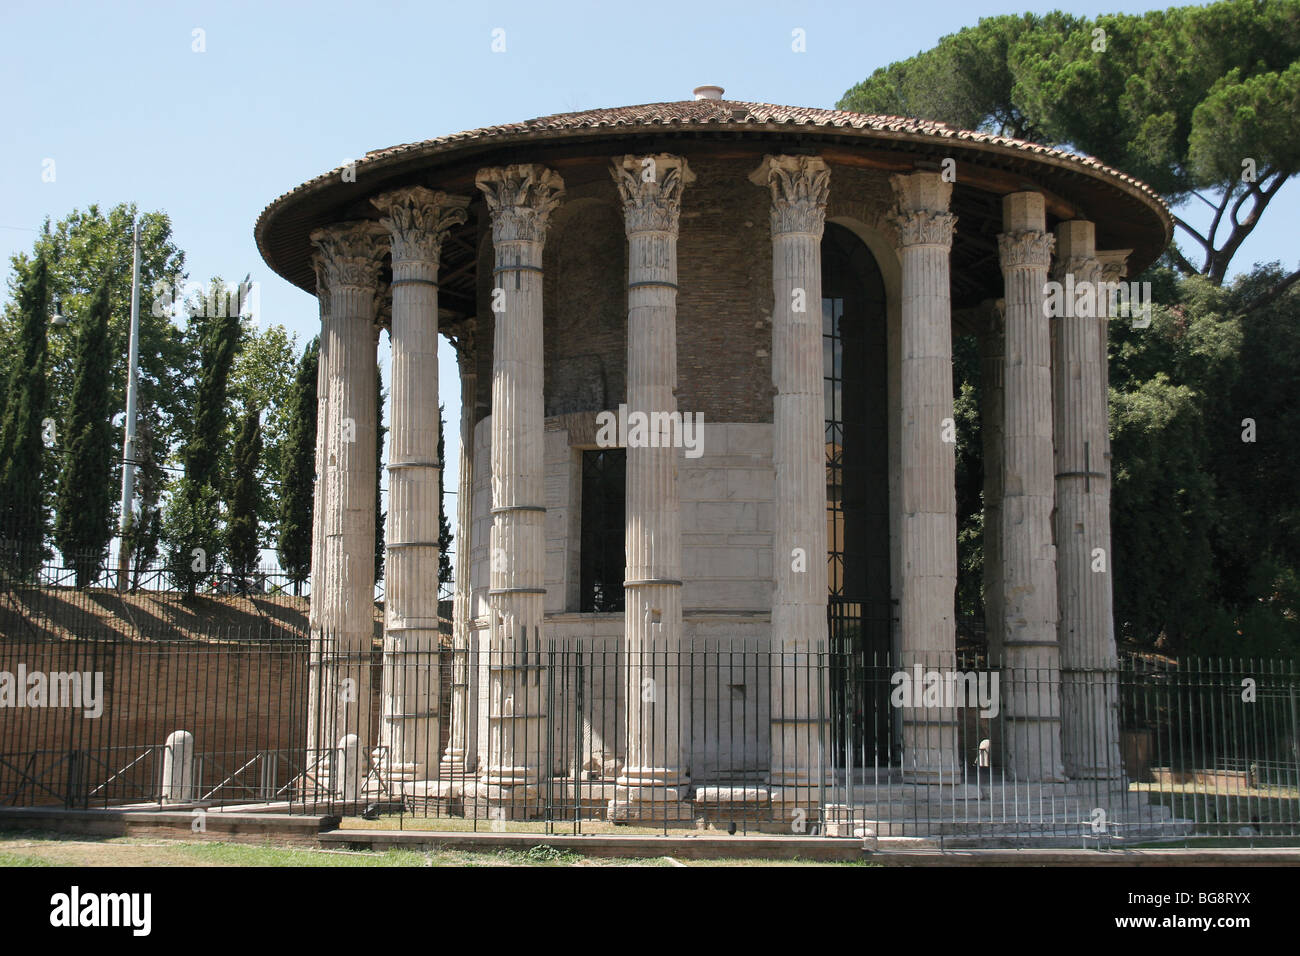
{"x":854,"y":341}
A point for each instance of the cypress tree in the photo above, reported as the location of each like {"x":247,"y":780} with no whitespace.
{"x":84,"y":510}
{"x":194,"y":513}
{"x":298,"y":471}
{"x":219,"y":341}
{"x":22,"y":505}
{"x":245,"y":496}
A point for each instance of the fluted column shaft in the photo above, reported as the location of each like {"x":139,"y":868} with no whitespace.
{"x":349,"y":260}
{"x":928,"y":526}
{"x":992,"y":355}
{"x":799,"y":186}
{"x":651,"y":189}
{"x":320,"y":703}
{"x":520,"y":200}
{"x":460,"y":757}
{"x":1030,"y":714}
{"x":1087,"y":632}
{"x":417,"y":220}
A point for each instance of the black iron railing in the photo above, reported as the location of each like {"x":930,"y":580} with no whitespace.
{"x":581,"y":735}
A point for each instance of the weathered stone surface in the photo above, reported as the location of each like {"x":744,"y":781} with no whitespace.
{"x":1026,"y":630}
{"x":928,"y":519}
{"x":1089,"y":684}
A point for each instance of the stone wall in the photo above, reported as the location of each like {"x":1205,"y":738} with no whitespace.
{"x":234,"y":700}
{"x":724,"y":336}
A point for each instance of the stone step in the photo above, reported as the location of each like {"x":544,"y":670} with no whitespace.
{"x":1039,"y":834}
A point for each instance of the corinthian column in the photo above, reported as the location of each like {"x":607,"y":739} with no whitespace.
{"x":349,"y":257}
{"x":652,"y":782}
{"x":928,"y":526}
{"x":520,"y":200}
{"x":799,"y":186}
{"x":1030,"y":713}
{"x":459,"y":758}
{"x":417,"y":220}
{"x":1087,"y":629}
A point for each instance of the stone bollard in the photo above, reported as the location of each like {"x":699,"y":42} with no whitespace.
{"x":347,"y":768}
{"x":178,"y":768}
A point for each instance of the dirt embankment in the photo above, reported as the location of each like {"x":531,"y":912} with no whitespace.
{"x":49,"y":613}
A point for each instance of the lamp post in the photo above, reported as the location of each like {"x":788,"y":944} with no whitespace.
{"x":128,"y":442}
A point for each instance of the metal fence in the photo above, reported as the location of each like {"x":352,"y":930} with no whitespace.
{"x":39,"y":581}
{"x":578,"y":737}
{"x":46,"y":595}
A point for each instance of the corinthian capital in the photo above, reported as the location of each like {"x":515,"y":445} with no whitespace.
{"x":924,"y":227}
{"x":349,"y":255}
{"x":418,"y":219}
{"x":800,"y":186}
{"x":1028,"y":249}
{"x":1083,"y":268}
{"x":651,"y":187}
{"x":520,"y":199}
{"x":1114,"y":263}
{"x":920,"y":215}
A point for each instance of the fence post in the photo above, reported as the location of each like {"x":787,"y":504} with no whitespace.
{"x":348,"y":764}
{"x":269,"y":762}
{"x":178,"y":768}
{"x":75,"y":796}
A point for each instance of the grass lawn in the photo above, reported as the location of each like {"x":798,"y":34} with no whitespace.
{"x":50,"y":849}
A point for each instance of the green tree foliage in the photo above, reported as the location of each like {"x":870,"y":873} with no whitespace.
{"x":243,"y":538}
{"x":1204,"y":520}
{"x":298,"y":469}
{"x":22,"y":506}
{"x":192,"y":525}
{"x":191,"y":522}
{"x":218,"y":337}
{"x":82,"y":249}
{"x":969,"y":477}
{"x":1179,"y":97}
{"x":83,"y":524}
{"x":262,"y":377}
{"x":144,"y":527}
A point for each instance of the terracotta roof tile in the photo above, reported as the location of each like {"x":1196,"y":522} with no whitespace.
{"x":721,"y":113}
{"x":734,"y":112}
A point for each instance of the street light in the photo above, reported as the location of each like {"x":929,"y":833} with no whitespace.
{"x":128,"y":442}
{"x":58,"y":320}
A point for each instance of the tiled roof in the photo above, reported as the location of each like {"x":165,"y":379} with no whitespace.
{"x":283,"y":225}
{"x":695,"y":113}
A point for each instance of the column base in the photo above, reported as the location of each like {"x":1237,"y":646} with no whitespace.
{"x":650,"y":804}
{"x":453,"y":764}
{"x":395,"y":777}
{"x":1095,"y":773}
{"x":929,"y":774}
{"x":498,"y":803}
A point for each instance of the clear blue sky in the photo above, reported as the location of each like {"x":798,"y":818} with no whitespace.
{"x":115,"y":95}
